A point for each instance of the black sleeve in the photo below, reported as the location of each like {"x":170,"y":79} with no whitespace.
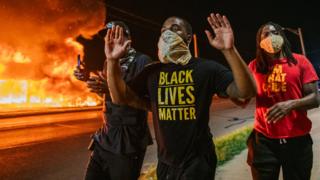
{"x":139,"y":84}
{"x":220,"y":78}
{"x":142,"y":61}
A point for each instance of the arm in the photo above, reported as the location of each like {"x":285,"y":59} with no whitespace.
{"x":243,"y":85}
{"x":115,"y":48}
{"x":310,"y":100}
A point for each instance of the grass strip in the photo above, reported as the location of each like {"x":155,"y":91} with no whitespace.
{"x":227,"y":147}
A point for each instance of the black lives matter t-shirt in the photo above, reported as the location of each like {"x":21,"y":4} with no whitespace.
{"x":180,"y":98}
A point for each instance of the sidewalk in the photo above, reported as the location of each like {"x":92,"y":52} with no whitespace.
{"x":237,"y":168}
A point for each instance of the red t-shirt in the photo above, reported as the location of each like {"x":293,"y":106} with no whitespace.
{"x":285,"y":82}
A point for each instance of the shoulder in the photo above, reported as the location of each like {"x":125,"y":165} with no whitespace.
{"x":253,"y":64}
{"x":143,"y":58}
{"x":300,"y":58}
{"x":205,"y":63}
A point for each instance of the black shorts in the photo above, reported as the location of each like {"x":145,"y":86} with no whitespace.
{"x":266,"y":156}
{"x":199,"y":167}
{"x":105,"y":165}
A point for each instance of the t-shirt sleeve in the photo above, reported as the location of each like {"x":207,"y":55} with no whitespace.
{"x":252,"y":66}
{"x":139,"y":84}
{"x":308,"y":73}
{"x":142,"y":60}
{"x":220,"y":78}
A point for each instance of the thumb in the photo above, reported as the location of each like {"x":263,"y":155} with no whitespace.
{"x":127,"y":44}
{"x":209,"y":35}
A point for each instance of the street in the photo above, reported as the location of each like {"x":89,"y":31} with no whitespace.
{"x":58,"y":150}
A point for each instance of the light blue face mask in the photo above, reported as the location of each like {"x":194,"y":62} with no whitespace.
{"x":172,"y":49}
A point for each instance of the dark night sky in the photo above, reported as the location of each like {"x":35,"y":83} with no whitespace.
{"x":145,"y":17}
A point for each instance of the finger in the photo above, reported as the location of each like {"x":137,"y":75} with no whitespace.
{"x":209,"y":35}
{"x":127,"y":44}
{"x":278,"y":117}
{"x":220,"y":20}
{"x":108,"y":36}
{"x":92,"y":83}
{"x":117,"y":32}
{"x":97,"y":88}
{"x":226,"y":22}
{"x":121,"y":34}
{"x":211,"y":22}
{"x":113,"y":30}
{"x":271,"y":109}
{"x":94,"y":78}
{"x":215,"y":20}
{"x":275,"y":117}
{"x":94,"y":91}
{"x":271,"y":112}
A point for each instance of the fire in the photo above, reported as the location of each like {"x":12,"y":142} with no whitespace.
{"x":35,"y":93}
{"x":38,"y":53}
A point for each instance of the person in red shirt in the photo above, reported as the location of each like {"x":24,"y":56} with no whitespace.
{"x":286,"y":89}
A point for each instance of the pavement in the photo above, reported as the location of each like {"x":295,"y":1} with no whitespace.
{"x":237,"y":168}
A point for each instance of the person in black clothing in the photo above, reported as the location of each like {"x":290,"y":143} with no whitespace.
{"x":120,"y":145}
{"x":179,"y":92}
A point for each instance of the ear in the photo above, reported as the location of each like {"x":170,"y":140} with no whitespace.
{"x":189,"y":38}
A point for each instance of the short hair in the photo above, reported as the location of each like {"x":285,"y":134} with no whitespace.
{"x":187,"y":25}
{"x":121,"y":24}
{"x":102,"y":33}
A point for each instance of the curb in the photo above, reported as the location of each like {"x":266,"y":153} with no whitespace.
{"x":8,"y":121}
{"x":14,"y":114}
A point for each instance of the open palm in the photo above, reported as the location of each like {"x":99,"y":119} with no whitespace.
{"x":115,"y":44}
{"x":223,"y":32}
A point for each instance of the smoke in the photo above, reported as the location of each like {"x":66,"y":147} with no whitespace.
{"x":39,"y":28}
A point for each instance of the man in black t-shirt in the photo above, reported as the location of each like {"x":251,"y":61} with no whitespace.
{"x":120,"y":145}
{"x":179,"y":91}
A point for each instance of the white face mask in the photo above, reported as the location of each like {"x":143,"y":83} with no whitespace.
{"x":272,"y":44}
{"x":172,"y":49}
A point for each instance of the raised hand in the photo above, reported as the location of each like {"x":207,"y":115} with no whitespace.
{"x":115,"y":44}
{"x":223,"y":39}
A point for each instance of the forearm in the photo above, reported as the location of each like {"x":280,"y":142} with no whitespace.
{"x":308,"y":102}
{"x":119,"y":91}
{"x":116,"y":84}
{"x":245,"y":84}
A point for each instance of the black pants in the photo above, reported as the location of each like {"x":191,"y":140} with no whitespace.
{"x":266,"y":156}
{"x":200,"y":167}
{"x":104,"y":165}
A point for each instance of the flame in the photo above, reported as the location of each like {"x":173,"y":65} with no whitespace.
{"x":38,"y":51}
{"x":44,"y":92}
{"x":28,"y":92}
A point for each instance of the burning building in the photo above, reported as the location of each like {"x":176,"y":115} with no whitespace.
{"x":38,"y":51}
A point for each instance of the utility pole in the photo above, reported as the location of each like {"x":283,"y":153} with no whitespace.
{"x":298,"y":32}
{"x":195,"y":46}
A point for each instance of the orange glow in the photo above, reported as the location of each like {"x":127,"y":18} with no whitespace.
{"x":38,"y":93}
{"x":38,"y":52}
{"x":21,"y":93}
